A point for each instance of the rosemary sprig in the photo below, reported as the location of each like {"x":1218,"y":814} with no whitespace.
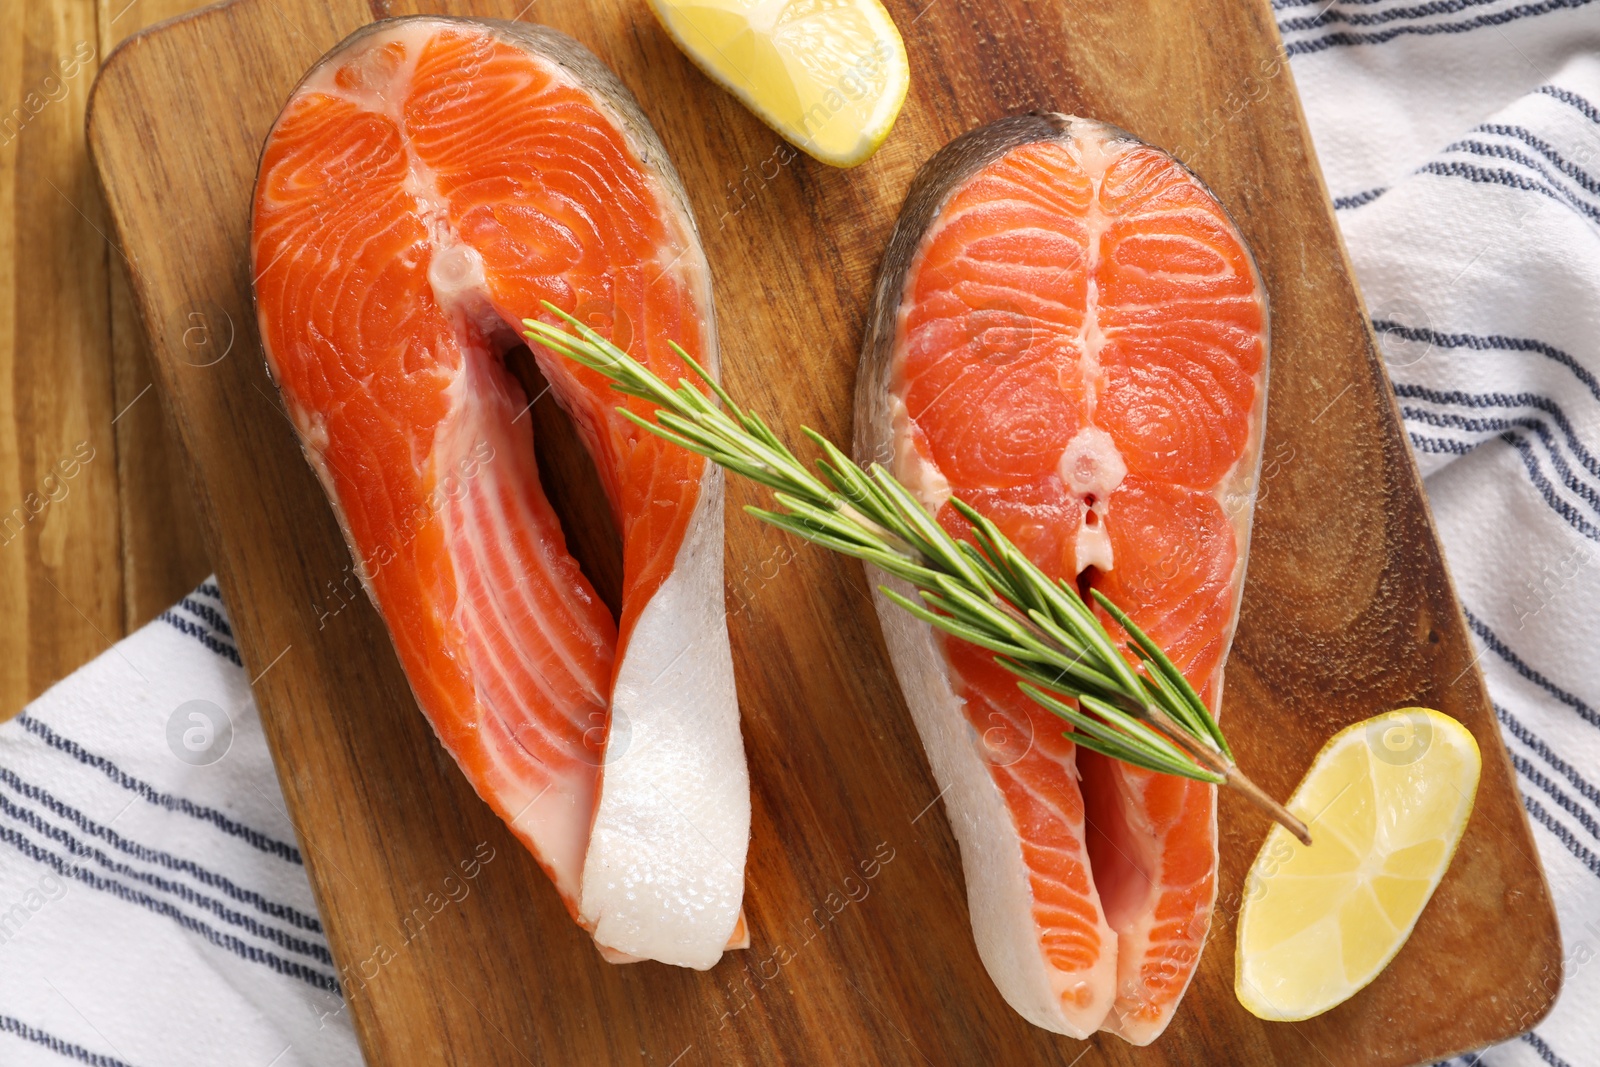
{"x":985,"y":591}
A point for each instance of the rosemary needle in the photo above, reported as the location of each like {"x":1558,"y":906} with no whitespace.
{"x":1127,"y":702}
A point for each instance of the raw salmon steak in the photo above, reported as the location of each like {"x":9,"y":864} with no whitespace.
{"x":428,"y":185}
{"x":1070,"y":334}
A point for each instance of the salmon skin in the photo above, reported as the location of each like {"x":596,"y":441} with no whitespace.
{"x":1069,"y":332}
{"x":428,"y":184}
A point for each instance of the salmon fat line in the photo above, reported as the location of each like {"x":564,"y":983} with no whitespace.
{"x":985,"y":591}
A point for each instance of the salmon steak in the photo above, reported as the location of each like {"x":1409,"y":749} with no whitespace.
{"x":428,"y":185}
{"x":1069,"y":333}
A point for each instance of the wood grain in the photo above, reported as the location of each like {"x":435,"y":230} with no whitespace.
{"x":118,"y":543}
{"x":861,"y":949}
{"x":160,"y":553}
{"x":59,"y":587}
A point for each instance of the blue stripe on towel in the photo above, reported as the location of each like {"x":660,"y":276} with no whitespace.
{"x":1331,"y":13}
{"x":1515,"y":728}
{"x":1545,"y":1052}
{"x":1516,"y":663}
{"x":1366,"y":196}
{"x":1345,"y":39}
{"x":250,"y":925}
{"x":228,"y":942}
{"x":1285,"y":5}
{"x":1484,"y":150}
{"x":55,"y":1044}
{"x":1438,"y":446}
{"x":1530,"y":463}
{"x":1492,"y":343}
{"x":1572,"y":100}
{"x":1526,"y":768}
{"x":201,"y":634}
{"x":1536,"y":474}
{"x":1562,"y":834}
{"x":1521,"y":133}
{"x":210,"y":615}
{"x":1513,"y":401}
{"x":1508,"y":179}
{"x":1499,"y":426}
{"x":41,"y":796}
{"x":168,"y":801}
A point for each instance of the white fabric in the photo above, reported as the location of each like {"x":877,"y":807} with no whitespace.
{"x":1460,"y":140}
{"x":154,"y":909}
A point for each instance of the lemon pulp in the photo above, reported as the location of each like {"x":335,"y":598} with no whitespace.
{"x":828,"y":75}
{"x":1386,"y":801}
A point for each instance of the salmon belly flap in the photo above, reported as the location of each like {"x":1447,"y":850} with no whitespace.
{"x":1078,"y":350}
{"x":426,"y":188}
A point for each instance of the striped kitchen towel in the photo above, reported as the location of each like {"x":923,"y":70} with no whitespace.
{"x":1460,"y":140}
{"x":154,"y":906}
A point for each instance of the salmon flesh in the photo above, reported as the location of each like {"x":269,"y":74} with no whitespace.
{"x":1069,"y":333}
{"x":428,"y":184}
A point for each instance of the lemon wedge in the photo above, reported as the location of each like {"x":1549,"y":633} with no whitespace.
{"x":1386,"y":800}
{"x":828,"y":75}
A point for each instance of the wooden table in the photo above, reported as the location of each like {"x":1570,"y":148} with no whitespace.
{"x":97,"y":530}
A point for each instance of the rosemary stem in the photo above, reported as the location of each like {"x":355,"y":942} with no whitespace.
{"x":1200,"y":752}
{"x":1261,"y":799}
{"x":894,"y":540}
{"x":1233,"y":777}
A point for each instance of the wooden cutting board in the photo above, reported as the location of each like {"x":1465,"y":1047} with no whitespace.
{"x":861,"y":949}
